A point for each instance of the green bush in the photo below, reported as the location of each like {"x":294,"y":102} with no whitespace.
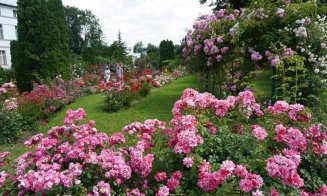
{"x":11,"y":123}
{"x":116,"y":100}
{"x":6,"y":75}
{"x":145,"y":89}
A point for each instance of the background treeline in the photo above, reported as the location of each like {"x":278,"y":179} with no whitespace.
{"x":52,"y":38}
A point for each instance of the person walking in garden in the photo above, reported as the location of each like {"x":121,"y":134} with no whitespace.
{"x":107,"y":74}
{"x":119,"y":71}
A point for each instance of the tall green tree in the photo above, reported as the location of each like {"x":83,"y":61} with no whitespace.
{"x":153,"y":55}
{"x":118,"y":49}
{"x":85,"y":33}
{"x":42,"y":45}
{"x":139,"y":48}
{"x":30,"y":15}
{"x":75,"y":27}
{"x":56,"y":57}
{"x":167,"y":51}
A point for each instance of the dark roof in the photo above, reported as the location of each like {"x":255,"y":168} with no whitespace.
{"x":7,"y":5}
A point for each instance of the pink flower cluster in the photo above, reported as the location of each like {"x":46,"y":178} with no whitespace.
{"x":3,"y":157}
{"x":3,"y":177}
{"x":174,"y":180}
{"x":209,"y":181}
{"x":101,"y":188}
{"x":148,"y":127}
{"x":188,"y":162}
{"x":255,"y":56}
{"x":160,"y":176}
{"x":241,"y":171}
{"x":185,"y":134}
{"x":114,"y":164}
{"x":163,"y":191}
{"x":251,"y":181}
{"x":294,"y":111}
{"x":248,"y":105}
{"x":211,"y":128}
{"x":141,"y":164}
{"x":280,"y":12}
{"x":203,"y":101}
{"x":36,"y":139}
{"x":134,"y":192}
{"x":259,"y":132}
{"x":5,"y":87}
{"x":285,"y":167}
{"x":77,"y":115}
{"x":213,"y":47}
{"x":292,"y":137}
{"x":288,"y":53}
{"x":318,"y":138}
{"x":275,"y":61}
{"x":11,"y":104}
{"x":261,"y":14}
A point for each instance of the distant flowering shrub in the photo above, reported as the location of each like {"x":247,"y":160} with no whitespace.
{"x":230,"y":146}
{"x":121,"y":93}
{"x":10,"y":119}
{"x":24,"y":112}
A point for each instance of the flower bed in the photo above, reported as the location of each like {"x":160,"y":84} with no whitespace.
{"x":29,"y":110}
{"x":229,"y":146}
{"x":121,"y":93}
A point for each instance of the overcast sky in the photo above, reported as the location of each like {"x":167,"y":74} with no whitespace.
{"x":149,"y":21}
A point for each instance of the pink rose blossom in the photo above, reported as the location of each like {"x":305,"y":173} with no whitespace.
{"x":160,"y":176}
{"x":258,"y":132}
{"x":188,"y":162}
{"x":163,"y":191}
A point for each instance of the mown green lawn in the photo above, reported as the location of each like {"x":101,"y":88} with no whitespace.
{"x":158,"y":104}
{"x":262,"y":85}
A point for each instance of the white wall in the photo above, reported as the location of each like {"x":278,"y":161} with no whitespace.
{"x":8,"y":22}
{"x":7,"y":11}
{"x":9,"y":2}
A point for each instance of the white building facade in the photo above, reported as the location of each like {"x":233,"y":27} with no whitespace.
{"x":8,"y":30}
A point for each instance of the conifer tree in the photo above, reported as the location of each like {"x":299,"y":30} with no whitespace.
{"x":56,"y":57}
{"x":31,"y":15}
{"x":42,"y":45}
{"x":166,"y":50}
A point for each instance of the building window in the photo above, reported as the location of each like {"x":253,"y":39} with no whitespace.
{"x":3,"y":58}
{"x":1,"y":32}
{"x":16,"y":32}
{"x":14,"y":13}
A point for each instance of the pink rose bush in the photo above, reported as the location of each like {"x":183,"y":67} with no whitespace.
{"x":228,"y":42}
{"x":277,"y":147}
